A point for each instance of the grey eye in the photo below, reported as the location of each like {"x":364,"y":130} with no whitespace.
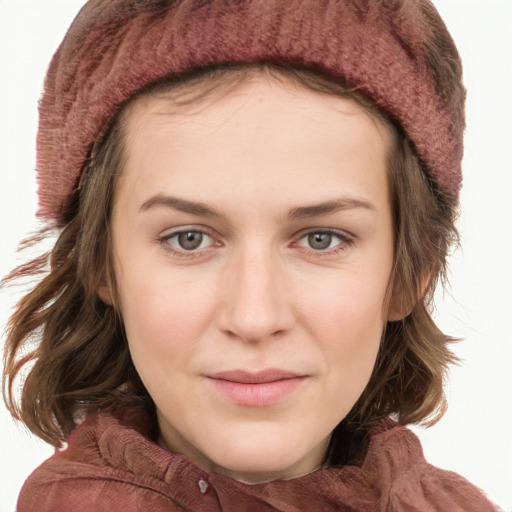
{"x":320,"y":241}
{"x":190,"y":240}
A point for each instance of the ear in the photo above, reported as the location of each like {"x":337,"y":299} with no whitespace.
{"x":104,"y":293}
{"x":400,"y":306}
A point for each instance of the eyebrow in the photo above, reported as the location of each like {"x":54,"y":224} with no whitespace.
{"x":296,"y":213}
{"x":183,"y":205}
{"x":327,"y":207}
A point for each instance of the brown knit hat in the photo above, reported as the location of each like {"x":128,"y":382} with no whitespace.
{"x":385,"y":48}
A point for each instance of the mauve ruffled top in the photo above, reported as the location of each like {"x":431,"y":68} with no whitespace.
{"x":111,"y":465}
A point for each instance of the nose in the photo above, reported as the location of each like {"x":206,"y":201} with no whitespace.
{"x":256,"y":298}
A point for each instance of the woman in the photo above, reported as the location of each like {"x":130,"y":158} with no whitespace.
{"x":197,"y":341}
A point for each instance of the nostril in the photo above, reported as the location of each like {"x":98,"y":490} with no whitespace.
{"x":255,"y":303}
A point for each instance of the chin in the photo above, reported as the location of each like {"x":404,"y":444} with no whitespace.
{"x":267,"y":458}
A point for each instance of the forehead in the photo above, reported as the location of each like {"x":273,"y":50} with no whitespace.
{"x":252,"y":135}
{"x":210,"y":96}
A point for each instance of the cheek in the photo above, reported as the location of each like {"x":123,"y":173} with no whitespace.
{"x":359,"y":332}
{"x":348,"y":321}
{"x":163,"y":315}
{"x":347,"y":302}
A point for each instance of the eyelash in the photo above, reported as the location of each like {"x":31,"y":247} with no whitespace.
{"x":165,"y":241}
{"x":345,"y":241}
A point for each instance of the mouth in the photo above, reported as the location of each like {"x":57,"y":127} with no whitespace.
{"x":259,"y":389}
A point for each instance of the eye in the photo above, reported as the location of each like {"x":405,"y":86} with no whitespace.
{"x":188,"y":240}
{"x":323,"y":240}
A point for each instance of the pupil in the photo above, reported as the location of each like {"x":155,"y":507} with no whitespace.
{"x":319,"y":240}
{"x":190,"y":241}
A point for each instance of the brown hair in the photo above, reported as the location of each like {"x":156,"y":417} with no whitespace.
{"x":81,"y":360}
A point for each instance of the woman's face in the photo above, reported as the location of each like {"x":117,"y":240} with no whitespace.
{"x":253,"y":244}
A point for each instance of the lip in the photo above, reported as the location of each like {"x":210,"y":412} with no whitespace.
{"x":258,"y":389}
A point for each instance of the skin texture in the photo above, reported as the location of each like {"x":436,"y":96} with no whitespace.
{"x":258,"y":292}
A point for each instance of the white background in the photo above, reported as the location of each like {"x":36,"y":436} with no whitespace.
{"x":475,"y":436}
